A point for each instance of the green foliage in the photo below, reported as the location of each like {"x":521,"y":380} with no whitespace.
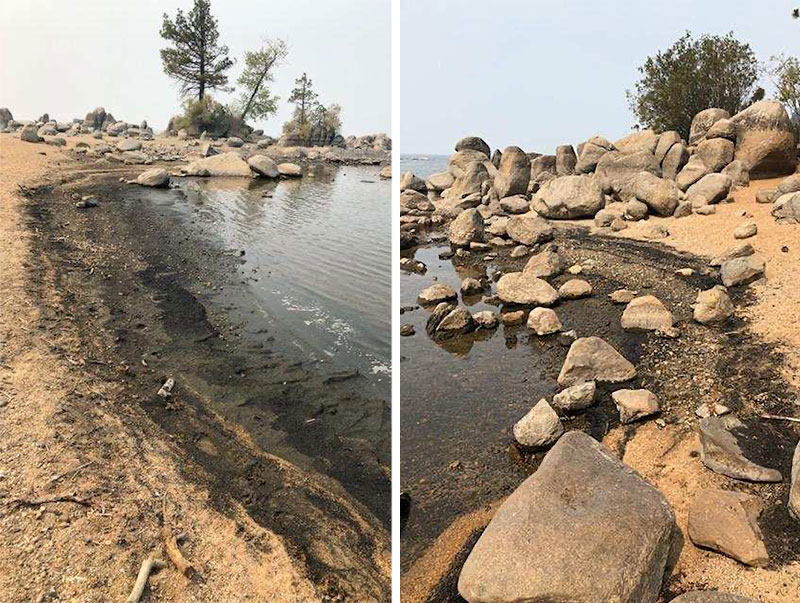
{"x":304,"y":99}
{"x":256,"y":100}
{"x":207,"y":115}
{"x":195,"y":59}
{"x":692,"y":75}
{"x":327,"y":118}
{"x":785,"y":72}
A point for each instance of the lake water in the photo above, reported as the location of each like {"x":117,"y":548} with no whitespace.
{"x":317,"y":257}
{"x":423,"y":165}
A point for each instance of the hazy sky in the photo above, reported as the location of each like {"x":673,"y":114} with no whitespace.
{"x":539,"y":73}
{"x":68,"y":56}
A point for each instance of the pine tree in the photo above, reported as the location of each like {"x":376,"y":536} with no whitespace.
{"x":304,"y":99}
{"x":195,"y":58}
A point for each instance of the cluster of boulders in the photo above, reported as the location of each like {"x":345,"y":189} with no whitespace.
{"x":644,"y":173}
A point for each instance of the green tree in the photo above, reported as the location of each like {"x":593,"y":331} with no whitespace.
{"x":256,"y":100}
{"x":692,"y":75}
{"x":327,"y":118}
{"x":785,"y":72}
{"x":304,"y":99}
{"x":195,"y":59}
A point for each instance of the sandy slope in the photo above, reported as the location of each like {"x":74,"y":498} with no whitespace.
{"x":64,"y":433}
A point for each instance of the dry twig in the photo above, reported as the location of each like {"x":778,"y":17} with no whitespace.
{"x":148,"y":565}
{"x":780,"y":418}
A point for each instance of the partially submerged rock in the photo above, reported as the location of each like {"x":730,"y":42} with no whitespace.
{"x":577,"y":397}
{"x":726,"y":521}
{"x":583,"y":528}
{"x":720,"y":451}
{"x":436,"y":294}
{"x":224,"y":164}
{"x":520,"y":288}
{"x":593,"y":359}
{"x":544,"y":321}
{"x":155,"y":177}
{"x":539,"y":428}
{"x":265,"y":167}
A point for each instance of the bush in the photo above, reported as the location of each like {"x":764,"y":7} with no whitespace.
{"x":206,"y":115}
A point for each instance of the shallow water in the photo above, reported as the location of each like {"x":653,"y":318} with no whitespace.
{"x":317,"y":259}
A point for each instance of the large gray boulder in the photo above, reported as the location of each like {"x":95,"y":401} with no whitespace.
{"x":590,"y":153}
{"x":513,"y":174}
{"x":565,"y":160}
{"x":95,"y":119}
{"x":466,"y":228}
{"x":703,"y":121}
{"x":473,"y":143}
{"x":529,"y":229}
{"x":30,"y":133}
{"x":467,"y":185}
{"x":720,"y":451}
{"x":460,"y":161}
{"x":5,"y":117}
{"x":660,"y":195}
{"x":569,"y":197}
{"x":525,"y":290}
{"x":584,"y":528}
{"x":787,"y":209}
{"x":155,"y":177}
{"x":715,"y":153}
{"x":665,"y":143}
{"x":593,"y":359}
{"x":615,"y":170}
{"x":643,"y":141}
{"x":765,"y":139}
{"x":263,"y":166}
{"x":224,"y":164}
{"x":711,"y":188}
{"x":674,"y":160}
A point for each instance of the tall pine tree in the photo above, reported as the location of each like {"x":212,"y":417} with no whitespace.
{"x":195,"y":59}
{"x":304,"y":99}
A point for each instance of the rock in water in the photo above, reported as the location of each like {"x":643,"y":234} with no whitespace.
{"x":725,"y":521}
{"x":456,"y":322}
{"x":711,"y":596}
{"x":514,"y":173}
{"x":519,"y":288}
{"x":635,"y":404}
{"x":794,"y":492}
{"x":436,"y":294}
{"x":646,"y":313}
{"x":540,"y":428}
{"x":713,"y":305}
{"x":265,"y":167}
{"x":224,"y":164}
{"x":290,"y":170}
{"x":466,"y":228}
{"x":485,"y":319}
{"x":584,"y":528}
{"x":529,"y":229}
{"x":576,"y":397}
{"x":544,"y":321}
{"x":765,"y":139}
{"x":741,"y":271}
{"x":157,"y":177}
{"x":593,"y":359}
{"x":720,"y":451}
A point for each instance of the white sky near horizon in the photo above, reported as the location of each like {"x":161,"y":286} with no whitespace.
{"x":539,"y":73}
{"x":66,"y":57}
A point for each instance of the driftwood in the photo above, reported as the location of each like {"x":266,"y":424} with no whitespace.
{"x":780,"y":418}
{"x":148,"y":565}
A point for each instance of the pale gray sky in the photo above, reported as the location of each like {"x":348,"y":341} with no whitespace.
{"x":539,"y":73}
{"x":66,"y":57}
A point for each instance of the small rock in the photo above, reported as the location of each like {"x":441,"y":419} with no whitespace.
{"x":576,"y":397}
{"x":720,"y":451}
{"x":706,"y":210}
{"x":656,"y":232}
{"x":435,"y":294}
{"x":635,"y":404}
{"x":458,"y":321}
{"x":485,"y":319}
{"x":544,"y":321}
{"x":540,"y":428}
{"x":684,"y":272}
{"x":646,"y":313}
{"x":593,"y":359}
{"x":545,"y":264}
{"x":622,"y":296}
{"x":745,"y":231}
{"x":575,"y":269}
{"x":471,"y":286}
{"x":713,"y":305}
{"x":512,"y":318}
{"x":574,"y":289}
{"x":407,"y":330}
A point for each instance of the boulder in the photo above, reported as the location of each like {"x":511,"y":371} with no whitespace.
{"x":436,"y":294}
{"x":290,"y":170}
{"x":740,"y":250}
{"x":129,"y":144}
{"x":541,"y":166}
{"x":710,"y":189}
{"x":456,"y":322}
{"x":565,"y":160}
{"x":513,"y":174}
{"x":30,"y":133}
{"x":605,"y":217}
{"x":224,"y":164}
{"x":765,"y":139}
{"x":5,"y":117}
{"x":547,"y":263}
{"x":518,"y":204}
{"x":738,"y":173}
{"x":646,"y":313}
{"x":569,"y":197}
{"x":410,"y":181}
{"x":529,"y":229}
{"x":635,"y":404}
{"x":583,"y":528}
{"x":703,"y":121}
{"x":471,"y":286}
{"x":590,"y":154}
{"x":726,"y":521}
{"x":412,"y":200}
{"x":485,"y":319}
{"x":95,"y":119}
{"x":438,"y":314}
{"x":519,"y":288}
{"x":263,"y":166}
{"x":720,"y":451}
{"x":574,"y":288}
{"x":593,"y":359}
{"x":460,"y":161}
{"x":577,"y":397}
{"x":466,"y":228}
{"x":693,"y":170}
{"x":384,"y":174}
{"x":722,"y":128}
{"x":615,"y":170}
{"x":635,"y":210}
{"x":540,"y":428}
{"x":467,"y":185}
{"x":665,"y":143}
{"x":439,"y":181}
{"x":713,"y":306}
{"x":544,"y":321}
{"x":742,"y":270}
{"x":235,"y":142}
{"x":660,"y":195}
{"x":642,"y":141}
{"x":786,"y":209}
{"x":715,"y":153}
{"x":156,"y":177}
{"x":473,"y":143}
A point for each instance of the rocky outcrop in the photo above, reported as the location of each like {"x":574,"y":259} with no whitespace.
{"x":551,"y":539}
{"x":643,"y":141}
{"x":765,"y":139}
{"x":715,"y":153}
{"x":569,"y":197}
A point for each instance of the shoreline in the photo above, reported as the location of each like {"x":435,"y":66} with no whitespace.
{"x":92,"y":298}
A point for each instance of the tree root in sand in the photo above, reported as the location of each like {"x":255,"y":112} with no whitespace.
{"x":171,"y":545}
{"x":23,"y":502}
{"x":148,"y":565}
